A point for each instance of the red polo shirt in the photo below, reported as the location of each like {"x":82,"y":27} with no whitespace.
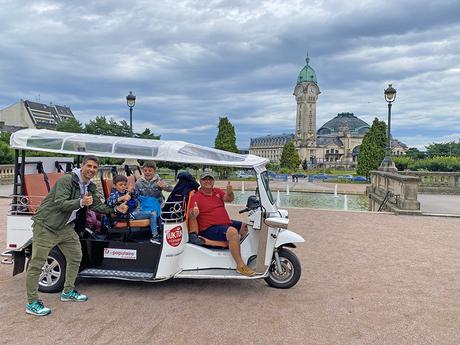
{"x":212,"y":208}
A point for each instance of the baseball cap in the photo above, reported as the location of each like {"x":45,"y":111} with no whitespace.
{"x":206,"y":174}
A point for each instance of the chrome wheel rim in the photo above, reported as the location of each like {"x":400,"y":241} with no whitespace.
{"x":287,"y":271}
{"x":51,"y":272}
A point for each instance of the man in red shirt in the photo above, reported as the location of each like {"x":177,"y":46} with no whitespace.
{"x":214,"y":222}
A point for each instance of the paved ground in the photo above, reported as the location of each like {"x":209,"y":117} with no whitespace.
{"x":436,"y":203}
{"x":368,"y":278}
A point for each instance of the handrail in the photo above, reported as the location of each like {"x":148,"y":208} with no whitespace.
{"x":384,"y":201}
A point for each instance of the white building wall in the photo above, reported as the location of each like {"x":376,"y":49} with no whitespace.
{"x":16,"y":115}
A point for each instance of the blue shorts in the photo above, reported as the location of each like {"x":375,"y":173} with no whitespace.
{"x":219,"y":232}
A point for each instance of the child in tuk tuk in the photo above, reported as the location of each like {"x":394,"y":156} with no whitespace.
{"x":120,"y":194}
{"x":148,"y":189}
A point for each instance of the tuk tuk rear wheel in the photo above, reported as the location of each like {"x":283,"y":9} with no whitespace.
{"x":290,"y":270}
{"x":52,"y":276}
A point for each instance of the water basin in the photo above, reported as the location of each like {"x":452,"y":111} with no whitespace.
{"x":313,"y":200}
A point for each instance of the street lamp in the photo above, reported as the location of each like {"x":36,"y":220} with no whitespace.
{"x":387,"y":164}
{"x":131,"y":101}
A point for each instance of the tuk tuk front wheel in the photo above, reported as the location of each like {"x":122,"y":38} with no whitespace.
{"x":52,"y":276}
{"x":290,"y":271}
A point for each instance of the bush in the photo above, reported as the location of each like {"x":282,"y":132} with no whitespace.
{"x":403,"y":162}
{"x":445,"y":164}
{"x":6,"y":153}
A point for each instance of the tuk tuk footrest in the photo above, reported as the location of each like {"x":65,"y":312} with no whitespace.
{"x":97,"y":272}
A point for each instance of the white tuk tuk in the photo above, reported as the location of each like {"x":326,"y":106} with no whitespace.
{"x":126,"y":253}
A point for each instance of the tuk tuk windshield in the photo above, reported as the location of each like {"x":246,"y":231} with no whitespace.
{"x":265,"y":182}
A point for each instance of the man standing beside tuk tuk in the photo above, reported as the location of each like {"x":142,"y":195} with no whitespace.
{"x":214,"y":223}
{"x":54,"y":225}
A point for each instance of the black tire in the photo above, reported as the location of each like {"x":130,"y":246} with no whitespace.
{"x":53,"y":272}
{"x":291,"y":270}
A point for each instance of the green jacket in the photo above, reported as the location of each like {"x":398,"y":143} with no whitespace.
{"x":55,"y":210}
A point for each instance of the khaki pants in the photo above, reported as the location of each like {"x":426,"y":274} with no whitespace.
{"x":44,"y":240}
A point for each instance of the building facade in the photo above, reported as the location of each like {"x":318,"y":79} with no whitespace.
{"x":28,"y":114}
{"x":334,"y":144}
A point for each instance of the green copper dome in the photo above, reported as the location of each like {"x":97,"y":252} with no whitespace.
{"x":307,"y":73}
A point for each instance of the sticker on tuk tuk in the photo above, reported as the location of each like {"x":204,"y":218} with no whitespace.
{"x":174,"y":236}
{"x":114,"y":253}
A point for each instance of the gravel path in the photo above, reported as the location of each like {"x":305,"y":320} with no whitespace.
{"x":367,"y":278}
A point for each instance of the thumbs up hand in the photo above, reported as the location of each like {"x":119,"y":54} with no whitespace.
{"x":195,"y":211}
{"x":125,"y":197}
{"x":229,"y":187}
{"x":87,"y":199}
{"x":123,"y":208}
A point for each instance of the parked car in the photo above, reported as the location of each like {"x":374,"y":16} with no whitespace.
{"x":320,"y":176}
{"x":242,"y":174}
{"x":300,"y":175}
{"x":360,"y":179}
{"x":346,"y":177}
{"x":274,"y":176}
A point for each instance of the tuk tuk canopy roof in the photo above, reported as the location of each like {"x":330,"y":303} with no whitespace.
{"x":122,"y":147}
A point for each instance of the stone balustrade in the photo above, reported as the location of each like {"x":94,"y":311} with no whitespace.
{"x":436,"y":182}
{"x":393,"y":192}
{"x":6,"y":173}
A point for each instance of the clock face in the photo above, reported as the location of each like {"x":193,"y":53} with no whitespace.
{"x":311,"y":90}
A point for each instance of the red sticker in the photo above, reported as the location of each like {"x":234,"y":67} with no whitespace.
{"x":174,"y":236}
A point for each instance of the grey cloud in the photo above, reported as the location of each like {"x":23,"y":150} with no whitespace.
{"x":190,"y":62}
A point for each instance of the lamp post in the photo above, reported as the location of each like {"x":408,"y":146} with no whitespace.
{"x":131,"y":102}
{"x":387,"y":164}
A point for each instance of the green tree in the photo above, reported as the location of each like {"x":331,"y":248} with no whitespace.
{"x":5,"y":137}
{"x":111,"y":127}
{"x":147,"y":134}
{"x":70,"y":125}
{"x":443,"y":149}
{"x":415,"y":153}
{"x":289,"y":157}
{"x":226,"y":137}
{"x":372,"y":150}
{"x":6,"y":152}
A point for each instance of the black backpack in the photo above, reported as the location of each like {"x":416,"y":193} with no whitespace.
{"x":185,"y":184}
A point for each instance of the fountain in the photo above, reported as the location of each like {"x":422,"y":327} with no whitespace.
{"x":287,"y":188}
{"x":345,"y":202}
{"x":242,"y":187}
{"x":312,"y":200}
{"x":335,"y":191}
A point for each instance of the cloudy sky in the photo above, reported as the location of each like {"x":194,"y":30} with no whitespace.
{"x":191,"y":62}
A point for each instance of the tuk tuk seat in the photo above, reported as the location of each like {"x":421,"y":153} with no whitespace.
{"x":53,"y":177}
{"x":139,"y":223}
{"x":35,"y":189}
{"x":107,"y":187}
{"x":133,"y":230}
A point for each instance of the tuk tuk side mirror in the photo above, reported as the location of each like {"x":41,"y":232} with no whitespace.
{"x":276,"y":222}
{"x":253,"y":202}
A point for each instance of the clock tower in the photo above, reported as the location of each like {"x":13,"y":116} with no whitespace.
{"x":306,"y":94}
